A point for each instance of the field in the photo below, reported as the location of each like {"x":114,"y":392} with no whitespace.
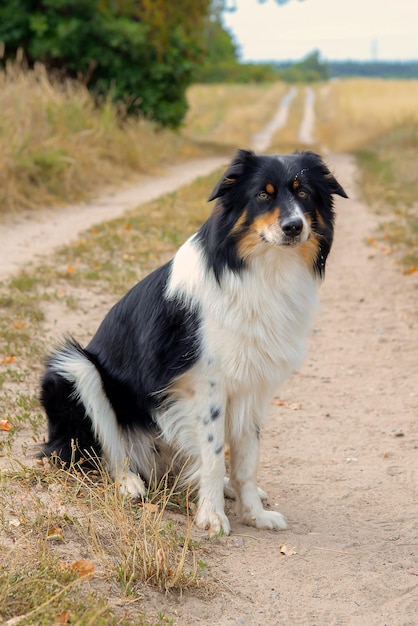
{"x":73,"y":553}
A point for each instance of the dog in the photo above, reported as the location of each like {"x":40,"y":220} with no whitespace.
{"x":187,"y":361}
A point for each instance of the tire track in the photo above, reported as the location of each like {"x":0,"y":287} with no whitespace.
{"x":262,"y":140}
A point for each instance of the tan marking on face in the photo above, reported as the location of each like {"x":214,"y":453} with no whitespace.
{"x":309,"y":250}
{"x":247,"y":244}
{"x":239,"y":223}
{"x":270,"y":188}
{"x":296,"y":184}
{"x":319,"y":219}
{"x":259,"y":226}
{"x":265,"y":220}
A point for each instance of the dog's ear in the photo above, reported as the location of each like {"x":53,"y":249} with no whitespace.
{"x":315,"y":163}
{"x":333,"y":184}
{"x":234,"y":171}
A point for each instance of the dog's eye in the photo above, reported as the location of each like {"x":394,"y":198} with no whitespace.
{"x":302,"y":194}
{"x":263,"y":195}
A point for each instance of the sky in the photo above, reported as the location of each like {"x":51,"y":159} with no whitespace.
{"x":340,"y":29}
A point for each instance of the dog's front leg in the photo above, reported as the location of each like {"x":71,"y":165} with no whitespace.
{"x":244,"y":454}
{"x":211,"y":512}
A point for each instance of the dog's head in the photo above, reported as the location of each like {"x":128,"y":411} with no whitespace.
{"x":275,"y":200}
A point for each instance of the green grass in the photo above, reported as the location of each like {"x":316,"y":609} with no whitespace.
{"x":389,"y":183}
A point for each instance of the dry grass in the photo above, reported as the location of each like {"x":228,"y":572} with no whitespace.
{"x":56,"y":147}
{"x":129,"y":545}
{"x":70,"y":537}
{"x":352,"y":113}
{"x":389,"y":183}
{"x":229,"y":115}
{"x":378,"y":120}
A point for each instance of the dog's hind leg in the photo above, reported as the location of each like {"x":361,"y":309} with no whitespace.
{"x":72,"y":364}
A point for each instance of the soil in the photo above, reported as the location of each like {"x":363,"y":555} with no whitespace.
{"x":339,"y":459}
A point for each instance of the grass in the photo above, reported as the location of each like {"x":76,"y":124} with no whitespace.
{"x":68,"y":538}
{"x":389,"y":183}
{"x":57,"y":147}
{"x":353,"y":113}
{"x":377,"y":120}
{"x":229,"y":115}
{"x":128,"y":544}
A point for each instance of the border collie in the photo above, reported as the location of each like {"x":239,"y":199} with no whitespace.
{"x":187,"y":360}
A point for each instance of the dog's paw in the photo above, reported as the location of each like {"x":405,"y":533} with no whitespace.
{"x":267,"y":520}
{"x":229,"y":491}
{"x":132,"y":485}
{"x":213,"y":522}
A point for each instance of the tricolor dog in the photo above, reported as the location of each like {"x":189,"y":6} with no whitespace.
{"x":187,"y":361}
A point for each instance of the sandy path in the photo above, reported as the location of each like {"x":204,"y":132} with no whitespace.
{"x":307,"y":126}
{"x":26,"y":238}
{"x":262,"y":140}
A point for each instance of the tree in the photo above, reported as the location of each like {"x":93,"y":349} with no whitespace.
{"x":144,"y":52}
{"x":310,"y":69}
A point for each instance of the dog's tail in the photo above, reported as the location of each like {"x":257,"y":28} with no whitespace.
{"x":70,"y":430}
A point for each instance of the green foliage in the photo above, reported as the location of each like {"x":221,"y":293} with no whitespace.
{"x":144,"y":52}
{"x":381,"y":69}
{"x":221,"y":64}
{"x":309,"y":70}
{"x":389,"y":182}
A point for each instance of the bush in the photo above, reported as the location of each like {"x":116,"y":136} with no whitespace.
{"x":144,"y":52}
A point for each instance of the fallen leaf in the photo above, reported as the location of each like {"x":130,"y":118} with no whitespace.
{"x":294,"y":406}
{"x":55,"y":534}
{"x":7,"y":360}
{"x":284,"y":549}
{"x":14,"y":522}
{"x":63,"y":618}
{"x":149,"y":506}
{"x":4,"y":425}
{"x":84,"y":568}
{"x":278,"y":402}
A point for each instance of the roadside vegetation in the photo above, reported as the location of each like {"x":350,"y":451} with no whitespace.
{"x":68,"y":540}
{"x":57,"y":147}
{"x":377,"y":120}
{"x":72,"y":550}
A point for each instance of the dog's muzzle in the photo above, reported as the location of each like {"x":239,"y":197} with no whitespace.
{"x":294,"y":230}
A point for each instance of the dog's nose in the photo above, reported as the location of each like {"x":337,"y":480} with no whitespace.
{"x":292,"y":227}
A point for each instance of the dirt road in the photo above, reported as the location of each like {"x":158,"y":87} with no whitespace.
{"x":339,"y":460}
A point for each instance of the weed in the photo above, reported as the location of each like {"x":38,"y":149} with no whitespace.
{"x":389,"y":183}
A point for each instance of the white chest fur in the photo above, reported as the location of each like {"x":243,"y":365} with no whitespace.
{"x":255,"y":323}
